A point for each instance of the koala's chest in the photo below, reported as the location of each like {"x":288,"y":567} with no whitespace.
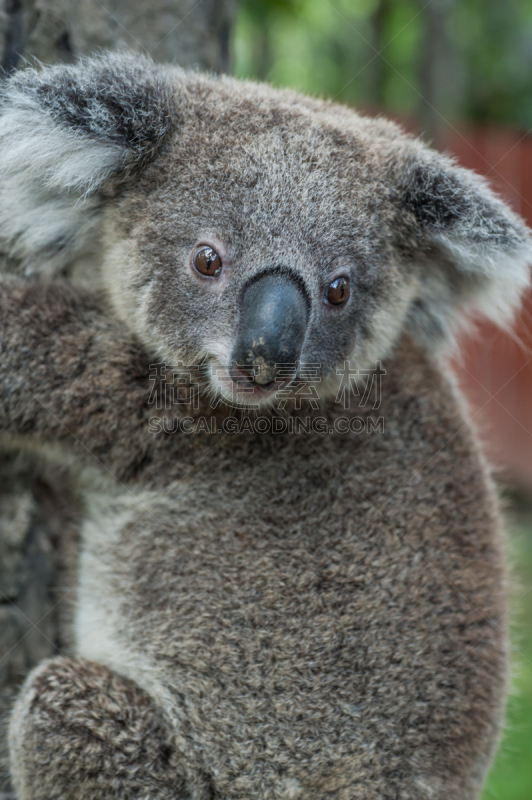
{"x":315,"y":561}
{"x":298,"y":605}
{"x":313,"y":565}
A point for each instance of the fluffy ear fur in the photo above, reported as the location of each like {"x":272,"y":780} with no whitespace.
{"x":64,"y":133}
{"x":471,"y":253}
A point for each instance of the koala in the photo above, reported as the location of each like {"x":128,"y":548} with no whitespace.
{"x":275,"y":600}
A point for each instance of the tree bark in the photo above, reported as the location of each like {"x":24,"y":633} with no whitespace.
{"x":37,"y":507}
{"x":186,"y":32}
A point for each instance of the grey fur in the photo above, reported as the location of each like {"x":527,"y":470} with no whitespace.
{"x":258,"y":615}
{"x":65,"y":132}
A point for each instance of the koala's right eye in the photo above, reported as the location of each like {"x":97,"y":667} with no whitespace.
{"x":207,"y":262}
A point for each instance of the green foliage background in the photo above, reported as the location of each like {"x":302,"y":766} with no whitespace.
{"x":462,"y":60}
{"x":511,"y":775}
{"x":330,"y":47}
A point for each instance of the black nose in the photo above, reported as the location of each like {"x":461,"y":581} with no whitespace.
{"x":273,"y":323}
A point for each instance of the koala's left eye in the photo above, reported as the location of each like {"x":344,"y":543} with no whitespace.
{"x":338,"y":291}
{"x":207,"y":262}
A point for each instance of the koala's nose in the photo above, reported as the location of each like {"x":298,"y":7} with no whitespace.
{"x":273,"y":322}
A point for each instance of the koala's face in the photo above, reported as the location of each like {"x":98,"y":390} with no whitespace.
{"x":258,"y":251}
{"x":256,"y":234}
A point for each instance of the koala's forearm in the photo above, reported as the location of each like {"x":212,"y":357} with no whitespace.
{"x":69,"y":375}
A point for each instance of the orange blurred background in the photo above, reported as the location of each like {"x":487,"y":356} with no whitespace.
{"x":494,"y":367}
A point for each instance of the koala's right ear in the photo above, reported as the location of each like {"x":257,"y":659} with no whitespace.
{"x":65,"y":132}
{"x":470,"y":254}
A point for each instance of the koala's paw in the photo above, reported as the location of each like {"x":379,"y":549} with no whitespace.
{"x":80,"y":732}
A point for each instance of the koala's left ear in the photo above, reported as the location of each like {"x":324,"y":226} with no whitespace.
{"x":470,"y":253}
{"x":65,"y":132}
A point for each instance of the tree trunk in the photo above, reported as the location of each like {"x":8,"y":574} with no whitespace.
{"x":378,"y":67}
{"x":438,"y":77}
{"x":38,"y":514}
{"x":186,"y":32}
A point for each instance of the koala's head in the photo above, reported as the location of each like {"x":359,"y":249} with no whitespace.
{"x":249,"y":230}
